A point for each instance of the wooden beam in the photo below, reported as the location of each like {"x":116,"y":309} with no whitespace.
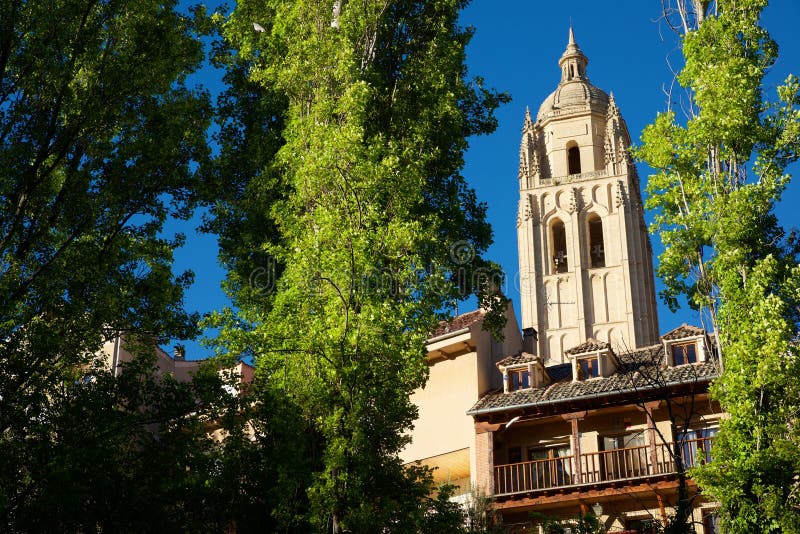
{"x":565,"y":497}
{"x":661,"y":508}
{"x":649,"y":406}
{"x":483,"y":427}
{"x":576,"y":450}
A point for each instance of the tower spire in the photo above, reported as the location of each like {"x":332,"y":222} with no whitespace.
{"x":573,"y":61}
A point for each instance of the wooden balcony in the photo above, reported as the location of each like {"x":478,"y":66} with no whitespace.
{"x":598,"y":467}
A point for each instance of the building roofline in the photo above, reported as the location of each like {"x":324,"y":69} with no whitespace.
{"x":447,"y":335}
{"x":565,"y":400}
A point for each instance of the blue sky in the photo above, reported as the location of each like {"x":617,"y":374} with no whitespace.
{"x":515,"y":48}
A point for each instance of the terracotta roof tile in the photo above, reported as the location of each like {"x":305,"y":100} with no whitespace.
{"x":683,"y":331}
{"x":458,"y":322}
{"x":590,"y":345}
{"x":637,"y":370}
{"x":516,"y":359}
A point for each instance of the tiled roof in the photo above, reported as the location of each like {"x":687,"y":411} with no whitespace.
{"x":683,"y":331}
{"x":516,"y":359}
{"x":590,"y":345}
{"x":637,"y":371}
{"x":559,"y":372}
{"x":459,"y":322}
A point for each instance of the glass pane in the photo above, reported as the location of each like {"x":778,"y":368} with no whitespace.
{"x":588,"y":367}
{"x":691,"y":357}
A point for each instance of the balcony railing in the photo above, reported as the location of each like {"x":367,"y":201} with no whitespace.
{"x":598,"y":467}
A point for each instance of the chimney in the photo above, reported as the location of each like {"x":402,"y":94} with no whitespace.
{"x":529,"y":337}
{"x":179,"y":353}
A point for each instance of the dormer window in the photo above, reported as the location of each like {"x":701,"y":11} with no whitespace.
{"x":591,"y":359}
{"x":685,"y":345}
{"x":588,"y":368}
{"x":522,"y":371}
{"x":684,"y":353}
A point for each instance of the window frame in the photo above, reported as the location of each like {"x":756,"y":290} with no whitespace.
{"x":519,"y":373}
{"x":578,"y":361}
{"x":674,"y":347}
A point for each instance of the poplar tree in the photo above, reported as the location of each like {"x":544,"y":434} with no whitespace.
{"x":369,"y":231}
{"x":719,"y":175}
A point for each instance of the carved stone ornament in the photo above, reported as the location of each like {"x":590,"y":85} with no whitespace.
{"x":620,"y":193}
{"x":574,"y":201}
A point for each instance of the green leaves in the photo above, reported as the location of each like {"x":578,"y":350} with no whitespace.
{"x":718,"y":179}
{"x":99,"y":142}
{"x":362,"y":198}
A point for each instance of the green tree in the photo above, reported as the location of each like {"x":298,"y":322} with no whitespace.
{"x":98,"y":135}
{"x":125,"y":453}
{"x":364,"y":108}
{"x":718,"y":178}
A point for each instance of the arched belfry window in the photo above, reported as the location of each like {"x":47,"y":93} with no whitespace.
{"x":573,"y":160}
{"x":597,"y":251}
{"x":559,"y":236}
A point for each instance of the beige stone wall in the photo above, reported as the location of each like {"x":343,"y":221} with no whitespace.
{"x":613,"y":303}
{"x":458,"y":377}
{"x":443,"y":425}
{"x":115,"y":351}
{"x":585,"y":131}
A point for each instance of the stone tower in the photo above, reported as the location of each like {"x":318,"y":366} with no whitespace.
{"x":584,"y":253}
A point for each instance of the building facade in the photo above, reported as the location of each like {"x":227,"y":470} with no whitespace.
{"x":462,"y":358}
{"x":589,"y":410}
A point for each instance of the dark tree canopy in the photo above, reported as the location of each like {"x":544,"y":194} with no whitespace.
{"x":99,"y":142}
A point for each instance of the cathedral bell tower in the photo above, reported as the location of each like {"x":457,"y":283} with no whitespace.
{"x":584,"y":253}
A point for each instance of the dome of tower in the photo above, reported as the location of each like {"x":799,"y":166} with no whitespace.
{"x":574,"y":92}
{"x":574,"y":95}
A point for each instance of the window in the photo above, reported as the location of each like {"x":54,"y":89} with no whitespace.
{"x":684,"y":353}
{"x":519,"y":379}
{"x":588,"y":368}
{"x":696,"y":445}
{"x":574,"y":160}
{"x":514,"y":455}
{"x":552,"y":467}
{"x":560,"y":264}
{"x":711,"y":522}
{"x":597,"y":255}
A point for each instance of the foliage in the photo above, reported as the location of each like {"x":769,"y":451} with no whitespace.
{"x":121,"y":453}
{"x":587,"y":523}
{"x":98,"y":137}
{"x":479,"y":516}
{"x":358,"y":113}
{"x":718,"y":178}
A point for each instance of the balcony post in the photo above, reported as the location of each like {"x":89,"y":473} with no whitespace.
{"x":575,"y":440}
{"x":649,"y":408}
